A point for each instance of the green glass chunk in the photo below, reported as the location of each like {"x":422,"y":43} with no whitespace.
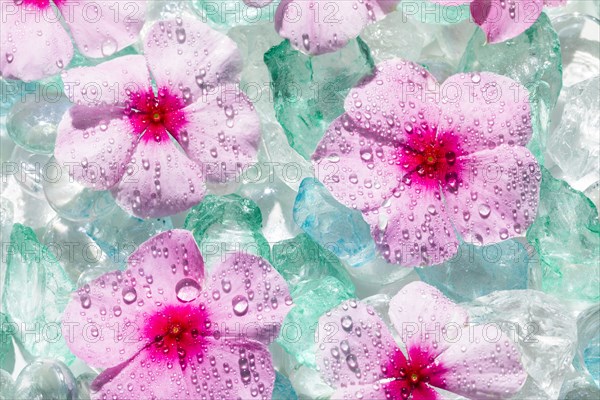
{"x":7,"y":349}
{"x":36,"y":292}
{"x":566,"y":234}
{"x":309,"y":91}
{"x":223,"y":225}
{"x":318,"y":282}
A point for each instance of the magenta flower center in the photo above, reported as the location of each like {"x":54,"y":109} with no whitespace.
{"x":405,"y":376}
{"x":155,"y":115}
{"x":429,"y":161}
{"x":40,"y":4}
{"x":178,"y":331}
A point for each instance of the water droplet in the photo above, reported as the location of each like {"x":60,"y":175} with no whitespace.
{"x":109,"y":47}
{"x":180,"y":35}
{"x":352,"y":362}
{"x":226,"y":285}
{"x":366,"y":154}
{"x":484,"y":211}
{"x":187,"y":290}
{"x":240,"y":305}
{"x":306,"y":41}
{"x":86,"y":302}
{"x":129,"y":294}
{"x":347,"y":323}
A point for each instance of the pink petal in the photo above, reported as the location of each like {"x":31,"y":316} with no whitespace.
{"x":426,"y":320}
{"x":160,"y":180}
{"x":101,"y":28}
{"x":354,"y":164}
{"x":395,"y":98}
{"x":355,"y":347}
{"x":34,"y":44}
{"x":95,"y":144}
{"x":100,"y":327}
{"x":386,"y":6}
{"x":387,"y":390}
{"x":502,"y":20}
{"x":167,"y":261}
{"x":317,"y":27}
{"x":414,"y":229}
{"x":223,"y":134}
{"x":489,"y":368}
{"x":483,"y":110}
{"x":107,"y":83}
{"x":499,"y":195}
{"x":227,"y":369}
{"x":190,"y":57}
{"x":105,"y":322}
{"x":371,"y":391}
{"x":246,"y":293}
{"x":143,"y":377}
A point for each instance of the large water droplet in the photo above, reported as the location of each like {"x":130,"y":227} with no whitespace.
{"x":240,"y":305}
{"x":226,"y":285}
{"x":129,"y":294}
{"x":187,"y":290}
{"x":484,"y":210}
{"x":180,"y":34}
{"x":86,"y":302}
{"x":347,"y":323}
{"x":366,"y":154}
{"x":109,"y":47}
{"x":352,"y":362}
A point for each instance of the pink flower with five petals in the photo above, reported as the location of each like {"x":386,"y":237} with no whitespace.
{"x":323,"y":26}
{"x":163,"y":331}
{"x":361,"y":360}
{"x":34,"y":44}
{"x":504,"y":19}
{"x":425,"y":161}
{"x":154,"y":143}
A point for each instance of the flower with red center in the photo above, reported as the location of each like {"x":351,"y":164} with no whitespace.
{"x":161,"y":330}
{"x":34,"y":44}
{"x":359,"y":357}
{"x":323,"y":26}
{"x":155,"y":143}
{"x":425,"y":161}
{"x":504,"y":19}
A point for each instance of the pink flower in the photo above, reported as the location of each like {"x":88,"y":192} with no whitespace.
{"x":35,"y":45}
{"x":154,"y":148}
{"x":504,"y":19}
{"x":323,"y":26}
{"x":421,"y":160}
{"x":360,"y":358}
{"x":162,"y":331}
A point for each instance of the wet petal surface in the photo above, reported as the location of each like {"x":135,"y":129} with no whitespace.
{"x":160,"y":179}
{"x":189,"y":57}
{"x":34,"y":44}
